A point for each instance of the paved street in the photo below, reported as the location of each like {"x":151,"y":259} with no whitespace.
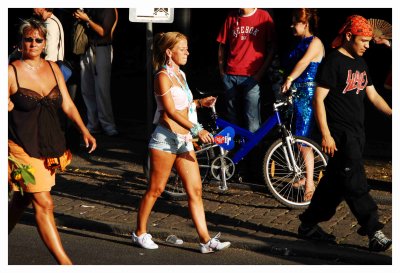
{"x":101,"y":193}
{"x":92,"y":248}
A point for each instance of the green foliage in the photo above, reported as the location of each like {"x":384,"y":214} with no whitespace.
{"x":21,"y":172}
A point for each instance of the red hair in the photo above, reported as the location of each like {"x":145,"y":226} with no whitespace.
{"x":309,"y":16}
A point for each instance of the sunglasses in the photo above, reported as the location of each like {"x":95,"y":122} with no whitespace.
{"x":30,"y":40}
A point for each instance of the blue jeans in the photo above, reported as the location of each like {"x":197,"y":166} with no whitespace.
{"x":243,"y":92}
{"x":96,"y":88}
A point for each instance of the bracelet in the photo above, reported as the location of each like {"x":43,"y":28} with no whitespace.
{"x":195,"y":130}
{"x":289,"y":78}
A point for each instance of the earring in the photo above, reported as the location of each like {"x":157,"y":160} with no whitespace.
{"x":170,"y":66}
{"x":169,"y":61}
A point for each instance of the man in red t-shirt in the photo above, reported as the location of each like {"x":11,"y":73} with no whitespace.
{"x":246,"y":48}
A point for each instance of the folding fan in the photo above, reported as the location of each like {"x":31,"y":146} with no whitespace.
{"x":381,"y":29}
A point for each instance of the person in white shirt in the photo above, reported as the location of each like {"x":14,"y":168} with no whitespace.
{"x":55,"y":34}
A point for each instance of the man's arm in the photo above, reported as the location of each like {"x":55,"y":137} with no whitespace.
{"x":96,"y":26}
{"x":378,"y":101}
{"x":270,"y":49}
{"x":328,"y":143}
{"x":52,"y":40}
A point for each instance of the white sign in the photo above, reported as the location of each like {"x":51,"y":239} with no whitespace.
{"x":154,"y":15}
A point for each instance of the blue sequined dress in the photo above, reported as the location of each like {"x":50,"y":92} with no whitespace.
{"x":305,"y":85}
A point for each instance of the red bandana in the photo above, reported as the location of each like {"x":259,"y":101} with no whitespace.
{"x":355,"y":24}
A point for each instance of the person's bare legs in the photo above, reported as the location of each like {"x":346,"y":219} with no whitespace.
{"x":188,"y":169}
{"x":16,"y":207}
{"x":308,"y":157}
{"x":160,"y":167}
{"x":43,"y":205}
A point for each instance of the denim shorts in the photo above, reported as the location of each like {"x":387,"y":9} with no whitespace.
{"x":163,"y":139}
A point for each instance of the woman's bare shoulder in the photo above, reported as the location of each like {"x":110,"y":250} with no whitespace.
{"x":16,"y":63}
{"x":316,"y":41}
{"x":11,"y":71}
{"x":162,"y":82}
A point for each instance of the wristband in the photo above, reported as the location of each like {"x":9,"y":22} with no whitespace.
{"x":195,"y":130}
{"x":289,"y":78}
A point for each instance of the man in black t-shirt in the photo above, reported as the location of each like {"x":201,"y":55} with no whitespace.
{"x":343,"y":83}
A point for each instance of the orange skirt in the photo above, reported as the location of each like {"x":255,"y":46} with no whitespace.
{"x":44,"y":177}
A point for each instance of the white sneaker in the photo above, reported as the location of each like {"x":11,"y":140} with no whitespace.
{"x":144,"y":241}
{"x":214,"y":245}
{"x":379,"y":242}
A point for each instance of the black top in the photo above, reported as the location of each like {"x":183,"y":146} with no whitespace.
{"x":34,"y":122}
{"x":346,"y":78}
{"x":105,"y":18}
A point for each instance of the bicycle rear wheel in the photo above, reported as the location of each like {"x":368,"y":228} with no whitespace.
{"x":279,"y":177}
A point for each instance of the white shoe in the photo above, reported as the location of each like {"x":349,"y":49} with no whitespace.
{"x":379,"y":242}
{"x":214,"y":245}
{"x":144,"y":241}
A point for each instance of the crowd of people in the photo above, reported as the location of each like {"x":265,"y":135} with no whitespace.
{"x":331,"y":92}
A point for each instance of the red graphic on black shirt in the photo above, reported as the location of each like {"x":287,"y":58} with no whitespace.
{"x":355,"y":81}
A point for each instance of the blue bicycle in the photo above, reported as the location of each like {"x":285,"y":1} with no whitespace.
{"x":288,"y":160}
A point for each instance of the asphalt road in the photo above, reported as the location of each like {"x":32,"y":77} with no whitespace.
{"x":88,"y":248}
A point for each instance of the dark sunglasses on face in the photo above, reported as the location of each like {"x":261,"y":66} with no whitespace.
{"x":30,"y":40}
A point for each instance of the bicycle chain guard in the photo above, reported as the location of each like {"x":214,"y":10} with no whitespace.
{"x":222,"y":162}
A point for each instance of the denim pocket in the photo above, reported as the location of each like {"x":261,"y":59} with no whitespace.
{"x":158,"y":137}
{"x":250,"y":83}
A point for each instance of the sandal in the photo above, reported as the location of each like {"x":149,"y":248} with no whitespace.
{"x":308,"y":195}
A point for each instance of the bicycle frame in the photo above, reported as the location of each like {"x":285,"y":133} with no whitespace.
{"x":251,"y":139}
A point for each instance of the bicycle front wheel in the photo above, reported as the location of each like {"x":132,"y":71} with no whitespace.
{"x":280,"y":175}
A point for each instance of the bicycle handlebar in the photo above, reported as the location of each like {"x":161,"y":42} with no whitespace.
{"x":286,"y":101}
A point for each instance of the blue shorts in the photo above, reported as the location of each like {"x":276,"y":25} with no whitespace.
{"x":165,"y":140}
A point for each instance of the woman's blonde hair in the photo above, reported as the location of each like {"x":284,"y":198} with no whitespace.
{"x":32,"y":24}
{"x":162,"y":42}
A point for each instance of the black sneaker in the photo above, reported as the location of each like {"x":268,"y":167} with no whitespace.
{"x":379,"y":242}
{"x":315,"y":233}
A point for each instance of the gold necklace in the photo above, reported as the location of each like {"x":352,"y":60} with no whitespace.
{"x":30,"y":67}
